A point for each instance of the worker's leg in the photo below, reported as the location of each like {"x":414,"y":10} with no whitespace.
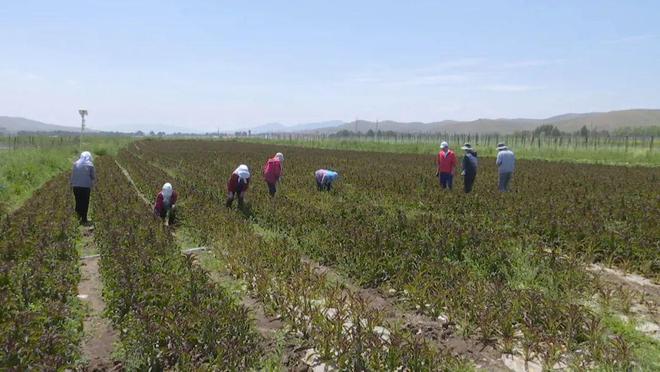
{"x":84,"y":207}
{"x":328,"y":186}
{"x":241,"y":199}
{"x":468,"y":183}
{"x":443,"y":180}
{"x":272,"y":189}
{"x":450,"y":181}
{"x":77,"y":196}
{"x":502,"y":182}
{"x":230,"y":199}
{"x":319,"y":185}
{"x":507,"y":180}
{"x":172,"y":216}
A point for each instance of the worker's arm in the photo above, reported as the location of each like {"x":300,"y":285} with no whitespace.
{"x":498,"y":161}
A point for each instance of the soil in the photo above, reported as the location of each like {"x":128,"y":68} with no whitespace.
{"x":632,"y":281}
{"x":99,"y":338}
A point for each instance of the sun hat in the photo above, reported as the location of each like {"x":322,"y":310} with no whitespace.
{"x":501,"y":146}
{"x":466,"y":146}
{"x":444,"y":145}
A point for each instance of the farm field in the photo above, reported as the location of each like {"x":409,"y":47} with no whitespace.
{"x":386,"y":271}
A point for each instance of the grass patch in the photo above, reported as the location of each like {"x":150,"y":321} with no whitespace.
{"x":601,"y":154}
{"x":25,"y":169}
{"x":646,"y":350}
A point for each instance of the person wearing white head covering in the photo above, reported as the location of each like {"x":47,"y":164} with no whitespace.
{"x":446,"y":166}
{"x":273,"y":172}
{"x":506,"y":163}
{"x":237,"y":185}
{"x":83,"y":177}
{"x":325,"y":178}
{"x":165,"y":205}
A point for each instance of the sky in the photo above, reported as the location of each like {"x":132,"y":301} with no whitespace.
{"x":208,"y":65}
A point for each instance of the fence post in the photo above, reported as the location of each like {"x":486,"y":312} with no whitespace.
{"x":651,"y":145}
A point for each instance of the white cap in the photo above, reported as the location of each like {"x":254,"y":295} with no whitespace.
{"x":444,"y":145}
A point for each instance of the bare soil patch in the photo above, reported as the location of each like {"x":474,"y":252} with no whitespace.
{"x":99,"y":338}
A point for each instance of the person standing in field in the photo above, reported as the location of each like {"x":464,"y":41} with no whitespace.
{"x":325,"y":178}
{"x":506,"y":164}
{"x":237,"y":185}
{"x":83,"y":177}
{"x":470,"y":165}
{"x":165,"y":206}
{"x":446,"y":164}
{"x":273,"y":172}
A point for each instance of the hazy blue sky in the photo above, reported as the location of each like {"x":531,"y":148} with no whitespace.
{"x":210,"y":64}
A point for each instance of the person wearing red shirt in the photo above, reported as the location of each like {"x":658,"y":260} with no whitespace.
{"x":165,"y":205}
{"x":446,"y":165}
{"x":273,"y":172}
{"x":237,"y":185}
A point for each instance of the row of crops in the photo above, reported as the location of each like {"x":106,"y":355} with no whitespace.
{"x":334,"y":322}
{"x":168,"y":312}
{"x":506,"y":269}
{"x":40,"y":315}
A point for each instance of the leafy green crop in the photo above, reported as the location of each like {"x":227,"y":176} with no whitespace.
{"x":40,"y":316}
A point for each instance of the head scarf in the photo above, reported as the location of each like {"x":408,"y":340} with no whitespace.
{"x":243,"y":172}
{"x":279,"y":156}
{"x":85,"y":159}
{"x":167,"y":192}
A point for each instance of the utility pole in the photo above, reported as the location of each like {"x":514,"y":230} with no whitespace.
{"x":82,"y":113}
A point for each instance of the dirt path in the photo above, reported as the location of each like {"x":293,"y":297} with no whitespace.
{"x":99,"y":336}
{"x":632,"y":281}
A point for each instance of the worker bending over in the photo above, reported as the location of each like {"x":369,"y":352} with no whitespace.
{"x":325,"y":178}
{"x":237,"y":185}
{"x":165,"y":206}
{"x":273,"y":172}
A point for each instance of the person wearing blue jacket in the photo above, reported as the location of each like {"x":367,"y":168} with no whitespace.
{"x":325,"y":178}
{"x":506,"y":163}
{"x":470,"y":165}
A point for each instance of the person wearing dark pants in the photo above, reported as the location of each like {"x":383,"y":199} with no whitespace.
{"x":273,"y":172}
{"x":165,"y":206}
{"x":238,"y":185}
{"x":81,"y":195}
{"x":83,"y":177}
{"x":325,"y":178}
{"x":446,"y":163}
{"x":470,"y":165}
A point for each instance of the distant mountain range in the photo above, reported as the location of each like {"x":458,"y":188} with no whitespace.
{"x":638,"y":118}
{"x":13,"y":125}
{"x":567,"y":123}
{"x":282,"y":128}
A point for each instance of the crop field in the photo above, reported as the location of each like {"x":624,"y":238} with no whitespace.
{"x":385,"y":272}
